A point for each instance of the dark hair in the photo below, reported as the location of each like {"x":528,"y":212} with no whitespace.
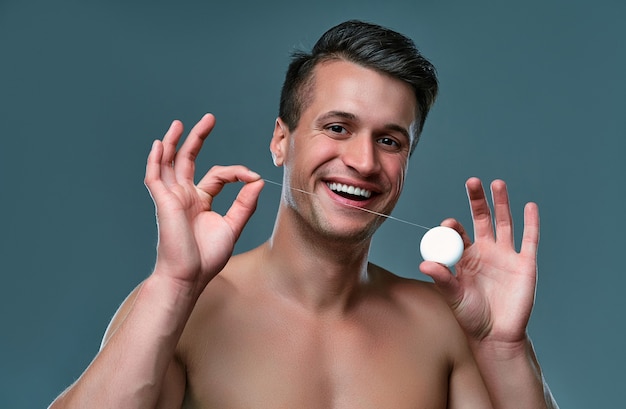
{"x":366,"y":44}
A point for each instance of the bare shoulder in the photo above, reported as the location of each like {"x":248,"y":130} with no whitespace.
{"x":412,"y":291}
{"x":434,"y":330}
{"x":420,"y":299}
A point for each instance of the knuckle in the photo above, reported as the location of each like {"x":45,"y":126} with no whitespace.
{"x":216,"y":169}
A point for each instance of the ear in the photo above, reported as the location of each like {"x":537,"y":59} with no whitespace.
{"x":278,"y":144}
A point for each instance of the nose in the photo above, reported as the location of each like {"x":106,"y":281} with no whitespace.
{"x":359,"y":153}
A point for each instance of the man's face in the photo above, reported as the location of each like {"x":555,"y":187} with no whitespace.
{"x":354,"y":135}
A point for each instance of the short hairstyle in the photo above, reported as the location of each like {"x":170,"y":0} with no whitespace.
{"x":368,"y":45}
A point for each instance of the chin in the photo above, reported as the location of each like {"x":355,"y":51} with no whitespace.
{"x":349,"y":234}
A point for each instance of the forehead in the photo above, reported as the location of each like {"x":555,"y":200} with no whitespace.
{"x":339,"y":85}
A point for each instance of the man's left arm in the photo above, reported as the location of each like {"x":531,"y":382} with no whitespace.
{"x":492,"y":295}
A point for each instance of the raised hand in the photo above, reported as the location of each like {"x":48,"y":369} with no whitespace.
{"x":493,"y":291}
{"x":194,"y":241}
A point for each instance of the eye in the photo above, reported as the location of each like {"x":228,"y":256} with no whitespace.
{"x":337,"y":129}
{"x":389,"y":142}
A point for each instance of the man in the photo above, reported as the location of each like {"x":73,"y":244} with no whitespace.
{"x":304,"y":321}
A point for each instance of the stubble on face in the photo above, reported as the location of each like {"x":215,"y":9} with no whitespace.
{"x":377,"y":102}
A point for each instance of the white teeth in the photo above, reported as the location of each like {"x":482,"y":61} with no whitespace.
{"x":352,"y":190}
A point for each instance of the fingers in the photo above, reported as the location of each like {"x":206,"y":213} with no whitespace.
{"x":244,"y":206}
{"x":218,"y":176}
{"x":153,"y":168}
{"x":481,"y":214}
{"x":530,"y":237}
{"x":502,"y":210}
{"x":170,"y":141}
{"x":445,"y":281}
{"x":503,"y":231}
{"x":245,"y":203}
{"x":185,"y":158}
{"x":454,"y":224}
{"x":178,"y":165}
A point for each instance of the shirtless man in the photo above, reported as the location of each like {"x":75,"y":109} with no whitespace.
{"x":304,"y":321}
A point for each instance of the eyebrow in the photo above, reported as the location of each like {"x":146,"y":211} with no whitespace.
{"x":352,"y":117}
{"x":340,"y":114}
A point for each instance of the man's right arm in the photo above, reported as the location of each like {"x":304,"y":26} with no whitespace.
{"x":136,"y":366}
{"x":136,"y":363}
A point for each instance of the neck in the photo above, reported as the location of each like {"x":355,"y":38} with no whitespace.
{"x":319,"y":272}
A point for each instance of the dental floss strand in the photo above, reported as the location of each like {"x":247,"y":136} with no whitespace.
{"x":440,"y":244}
{"x":356,"y":207}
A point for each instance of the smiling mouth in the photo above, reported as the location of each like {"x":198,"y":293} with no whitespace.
{"x":349,"y":192}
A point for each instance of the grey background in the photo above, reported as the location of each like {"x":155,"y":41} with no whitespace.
{"x":531,"y":92}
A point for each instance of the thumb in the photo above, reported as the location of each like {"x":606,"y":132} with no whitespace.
{"x":447,"y":284}
{"x":244,"y":206}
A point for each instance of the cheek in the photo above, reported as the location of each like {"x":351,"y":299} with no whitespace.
{"x":400,"y":183}
{"x":312,"y":150}
{"x":398,"y":180}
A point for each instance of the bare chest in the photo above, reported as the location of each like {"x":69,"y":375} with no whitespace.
{"x":264,"y":361}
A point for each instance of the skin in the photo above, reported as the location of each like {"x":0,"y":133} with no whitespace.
{"x":321,"y":328}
